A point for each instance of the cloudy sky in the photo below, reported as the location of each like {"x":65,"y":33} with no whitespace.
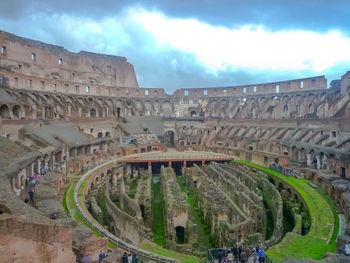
{"x":196,"y":43}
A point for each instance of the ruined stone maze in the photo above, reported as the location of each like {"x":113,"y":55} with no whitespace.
{"x":91,"y":162}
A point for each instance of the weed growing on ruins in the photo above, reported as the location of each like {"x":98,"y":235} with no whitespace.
{"x":321,"y":236}
{"x":102,"y":204}
{"x":205,"y":239}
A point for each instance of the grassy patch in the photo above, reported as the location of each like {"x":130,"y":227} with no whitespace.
{"x":71,"y":206}
{"x":323,"y":217}
{"x":152,"y":247}
{"x":133,"y":187}
{"x":158,"y":227}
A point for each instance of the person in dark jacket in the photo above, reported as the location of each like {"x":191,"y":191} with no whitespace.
{"x":125,"y":258}
{"x":243,"y":258}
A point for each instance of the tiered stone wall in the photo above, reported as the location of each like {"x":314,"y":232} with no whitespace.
{"x":228,"y":223}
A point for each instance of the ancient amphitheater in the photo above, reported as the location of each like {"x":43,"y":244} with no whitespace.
{"x":90,"y":162}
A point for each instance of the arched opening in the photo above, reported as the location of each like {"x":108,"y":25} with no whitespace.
{"x":193,"y":113}
{"x":100,"y":135}
{"x":180,"y":234}
{"x":92,"y":113}
{"x":142,"y":208}
{"x":16,"y":112}
{"x":285,"y":111}
{"x":108,"y":134}
{"x":169,"y":139}
{"x":4,"y":111}
{"x":118,"y":112}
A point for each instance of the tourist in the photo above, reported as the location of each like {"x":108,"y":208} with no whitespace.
{"x":135,"y":258}
{"x":230,"y":257}
{"x":235,"y":252}
{"x":240,"y":249}
{"x":261,"y":256}
{"x":125,"y":258}
{"x":53,"y":216}
{"x":31,"y":194}
{"x":129,"y":258}
{"x":347,"y":249}
{"x":102,"y":256}
{"x":221,"y":256}
{"x":243,"y":257}
{"x":255,"y":256}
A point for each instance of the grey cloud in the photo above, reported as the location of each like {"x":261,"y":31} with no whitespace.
{"x":36,"y":19}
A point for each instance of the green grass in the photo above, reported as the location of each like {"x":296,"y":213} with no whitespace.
{"x":323,"y":218}
{"x":158,"y":226}
{"x":133,"y":187}
{"x":64,"y":203}
{"x":154,"y":248}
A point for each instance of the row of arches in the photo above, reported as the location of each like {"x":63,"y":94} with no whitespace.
{"x":8,"y":112}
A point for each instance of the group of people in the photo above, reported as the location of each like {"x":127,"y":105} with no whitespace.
{"x":282,"y":169}
{"x":241,"y":254}
{"x":102,"y":256}
{"x":130,"y":258}
{"x":30,"y":184}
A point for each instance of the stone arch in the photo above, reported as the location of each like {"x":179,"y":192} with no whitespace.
{"x":4,"y":111}
{"x":93,"y":113}
{"x":100,"y":135}
{"x":148,"y":108}
{"x":120,"y":108}
{"x":167,"y":109}
{"x":107,"y":134}
{"x":17,"y":112}
{"x":285,"y":111}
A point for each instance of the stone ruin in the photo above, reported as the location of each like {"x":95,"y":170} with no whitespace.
{"x":66,"y":113}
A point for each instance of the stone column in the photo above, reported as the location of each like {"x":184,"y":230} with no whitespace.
{"x":308,"y":159}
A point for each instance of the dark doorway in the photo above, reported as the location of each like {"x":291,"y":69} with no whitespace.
{"x":180,"y":234}
{"x":118,"y":112}
{"x":266,"y":160}
{"x":142,"y":208}
{"x":169,"y":139}
{"x":343,"y":171}
{"x":157,"y":165}
{"x":92,"y":113}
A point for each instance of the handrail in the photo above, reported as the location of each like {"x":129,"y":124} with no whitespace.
{"x":104,"y":232}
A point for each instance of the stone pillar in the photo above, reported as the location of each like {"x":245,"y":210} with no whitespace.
{"x":203,"y":163}
{"x":318,"y":162}
{"x":308,"y":159}
{"x":79,"y":111}
{"x":39,"y":165}
{"x":69,"y":110}
{"x":34,"y":111}
{"x":43,"y":112}
{"x":185,"y":164}
{"x":169,"y":163}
